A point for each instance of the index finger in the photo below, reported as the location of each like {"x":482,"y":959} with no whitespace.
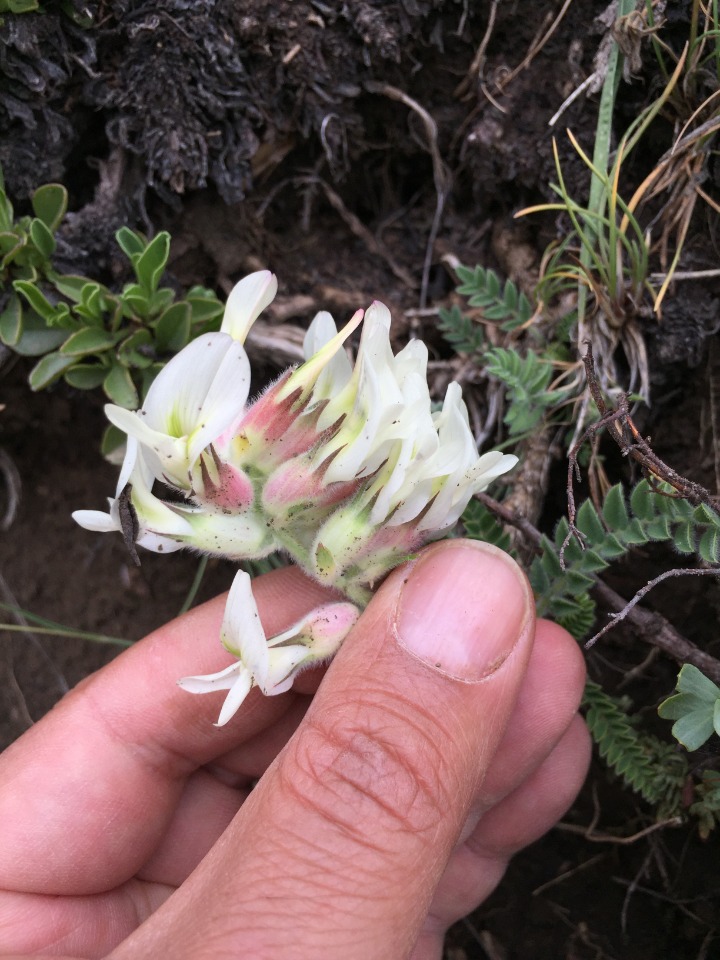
{"x":86,"y":794}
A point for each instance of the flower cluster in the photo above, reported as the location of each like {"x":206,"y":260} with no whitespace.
{"x":346,"y":468}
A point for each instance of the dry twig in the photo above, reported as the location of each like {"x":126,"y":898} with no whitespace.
{"x":588,"y":833}
{"x":650,"y":585}
{"x":475,"y":70}
{"x":649,"y":626}
{"x":653,"y":628}
{"x":632,"y":444}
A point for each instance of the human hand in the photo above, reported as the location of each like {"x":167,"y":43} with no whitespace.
{"x":388,"y":804}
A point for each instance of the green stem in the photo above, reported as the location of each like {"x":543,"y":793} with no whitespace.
{"x":194,"y":586}
{"x":65,"y":632}
{"x":601,"y":153}
{"x":694,"y":23}
{"x":657,"y":48}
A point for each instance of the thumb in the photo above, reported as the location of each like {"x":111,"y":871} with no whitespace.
{"x":339,"y":849}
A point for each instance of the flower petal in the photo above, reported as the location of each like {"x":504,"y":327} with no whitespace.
{"x":242,"y":632}
{"x":247,"y":300}
{"x":177,"y":394}
{"x":197,"y":397}
{"x":338,"y":369}
{"x":306,"y":375}
{"x":225,"y":400}
{"x":282,"y":669}
{"x":158,"y":544}
{"x":235,"y":678}
{"x":212,"y":682}
{"x":235,"y":699}
{"x":169,"y":450}
{"x":154,"y":514}
{"x":95,"y":520}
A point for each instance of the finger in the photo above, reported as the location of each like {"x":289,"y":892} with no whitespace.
{"x":548,"y":701}
{"x":360,"y":813}
{"x":87,"y":793}
{"x":211,"y":798}
{"x":85,"y":926}
{"x":243,"y":765}
{"x":90,"y":926}
{"x":520,"y":819}
{"x":204,"y":811}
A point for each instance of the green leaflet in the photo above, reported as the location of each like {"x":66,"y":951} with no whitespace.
{"x":77,"y":327}
{"x":695,"y":708}
{"x":527,"y":380}
{"x":622,"y":524}
{"x":480,"y":524}
{"x":498,"y":301}
{"x":657,"y":771}
{"x":651,"y":768}
{"x":463,"y":333}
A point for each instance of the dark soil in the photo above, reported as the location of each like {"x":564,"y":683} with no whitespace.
{"x":270,"y":134}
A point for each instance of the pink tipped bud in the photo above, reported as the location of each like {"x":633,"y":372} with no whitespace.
{"x":326,"y":627}
{"x":274,"y":429}
{"x":222,"y":484}
{"x":297,"y":485}
{"x":321,"y":631}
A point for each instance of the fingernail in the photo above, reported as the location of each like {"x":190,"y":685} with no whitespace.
{"x":463,"y":608}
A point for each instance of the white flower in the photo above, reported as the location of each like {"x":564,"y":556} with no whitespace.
{"x":271,"y":665}
{"x":370,"y":400}
{"x":346,"y":467}
{"x":193,"y":401}
{"x":150,"y":522}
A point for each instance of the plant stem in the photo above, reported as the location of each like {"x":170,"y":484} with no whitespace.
{"x":194,"y":586}
{"x":66,"y":632}
{"x":601,"y":155}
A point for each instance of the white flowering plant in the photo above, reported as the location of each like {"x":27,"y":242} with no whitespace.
{"x":346,"y":468}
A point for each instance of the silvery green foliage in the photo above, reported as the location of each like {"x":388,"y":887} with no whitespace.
{"x":695,"y":708}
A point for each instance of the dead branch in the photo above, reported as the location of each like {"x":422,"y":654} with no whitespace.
{"x":649,"y":626}
{"x":282,"y":343}
{"x":475,"y":70}
{"x":530,"y":480}
{"x":653,"y":628}
{"x":507,"y":516}
{"x":536,"y":46}
{"x":650,"y":585}
{"x":588,"y":833}
{"x":12,"y":485}
{"x":633,"y":445}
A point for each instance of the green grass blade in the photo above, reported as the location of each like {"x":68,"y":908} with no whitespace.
{"x":194,"y":586}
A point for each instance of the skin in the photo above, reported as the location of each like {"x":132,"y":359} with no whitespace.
{"x":390,"y":797}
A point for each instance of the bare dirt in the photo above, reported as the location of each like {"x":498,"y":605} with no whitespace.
{"x":272,"y":134}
